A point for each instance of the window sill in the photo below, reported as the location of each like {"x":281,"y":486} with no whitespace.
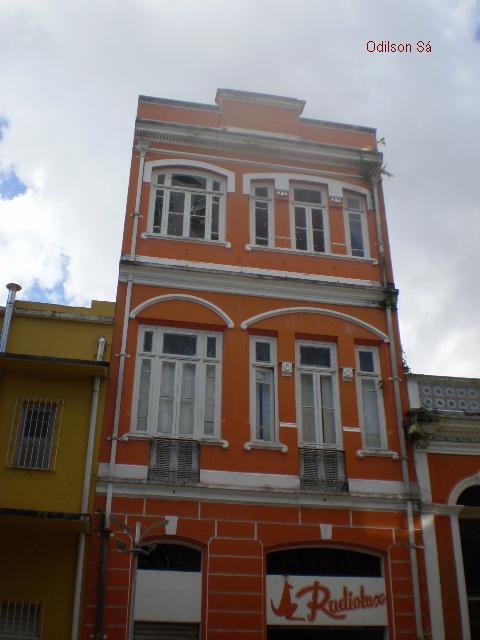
{"x":157,"y":236}
{"x":219,"y":442}
{"x":317,"y":254}
{"x":378,"y":453}
{"x":262,"y":444}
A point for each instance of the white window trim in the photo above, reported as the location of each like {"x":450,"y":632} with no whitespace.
{"x":270,"y":213}
{"x":209,"y":193}
{"x":364,"y":224}
{"x":152,"y":420}
{"x":255,"y":442}
{"x":333,"y":371}
{"x":308,"y":215}
{"x":380,"y":401}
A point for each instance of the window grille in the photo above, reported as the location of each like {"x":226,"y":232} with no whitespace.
{"x":174,"y":461}
{"x":34,"y":433}
{"x":323,"y":469}
{"x":20,"y":620}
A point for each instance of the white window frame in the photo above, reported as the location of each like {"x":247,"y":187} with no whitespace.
{"x":309,"y":206}
{"x":270,"y":213}
{"x":255,"y":365}
{"x":318,"y":371}
{"x":376,"y":377}
{"x":363,"y":220}
{"x":209,"y":193}
{"x":157,"y":358}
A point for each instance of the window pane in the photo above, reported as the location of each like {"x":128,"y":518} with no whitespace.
{"x":191,"y":182}
{"x":35,"y":439}
{"x":157,"y":212}
{"x":370,"y":412}
{"x":262,"y":351}
{"x":317,"y":229}
{"x":264,"y":402}
{"x":180,"y":344}
{"x":315,"y":356}
{"x":209,"y":422}
{"x":308,"y":408}
{"x":300,"y":228}
{"x":353,"y":203}
{"x":143,"y":394}
{"x":175,"y":216}
{"x":214,"y":232}
{"x":165,"y":407}
{"x":367,"y":363}
{"x":261,"y":223}
{"x":161,"y":178}
{"x":197,"y":216}
{"x":211,"y":347}
{"x":356,"y":234}
{"x":148,"y":341}
{"x":307,"y":195}
{"x":261,"y":192}
{"x":328,"y":410}
{"x":187,"y":399}
{"x":215,"y":185}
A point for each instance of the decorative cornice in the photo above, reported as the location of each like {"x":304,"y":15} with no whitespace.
{"x":249,"y":143}
{"x":220,"y":279}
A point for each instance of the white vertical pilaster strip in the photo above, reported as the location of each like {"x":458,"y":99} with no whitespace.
{"x":433,"y":576}
{"x":460,"y":572}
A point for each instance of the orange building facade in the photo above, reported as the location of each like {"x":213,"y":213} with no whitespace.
{"x":253,"y":477}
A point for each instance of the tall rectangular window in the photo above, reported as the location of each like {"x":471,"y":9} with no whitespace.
{"x":187,"y":205}
{"x":309,"y":219}
{"x":177,"y":383}
{"x":262,"y":215}
{"x":356,"y":226}
{"x":370,"y":399}
{"x":317,"y":394}
{"x":263,"y":388}
{"x":34,"y":433}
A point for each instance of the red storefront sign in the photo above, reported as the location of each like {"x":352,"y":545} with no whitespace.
{"x":309,"y":600}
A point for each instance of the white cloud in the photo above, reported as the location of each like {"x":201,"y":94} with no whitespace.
{"x":70,"y":74}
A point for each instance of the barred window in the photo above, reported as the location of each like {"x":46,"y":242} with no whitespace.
{"x":20,"y":620}
{"x":34,"y":434}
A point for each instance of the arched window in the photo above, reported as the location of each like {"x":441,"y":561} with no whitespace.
{"x":187,"y":203}
{"x":469,"y":525}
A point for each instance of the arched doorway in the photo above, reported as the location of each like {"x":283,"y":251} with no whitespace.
{"x":168,"y":593}
{"x":332,"y":593}
{"x":469,"y":526}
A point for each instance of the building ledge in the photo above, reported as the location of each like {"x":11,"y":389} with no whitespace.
{"x":49,"y":364}
{"x":58,"y":520}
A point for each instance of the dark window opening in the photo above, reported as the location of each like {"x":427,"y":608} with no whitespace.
{"x":170,"y":557}
{"x":306,"y":561}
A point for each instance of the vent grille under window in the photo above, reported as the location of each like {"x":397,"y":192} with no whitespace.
{"x":322,"y":469}
{"x":174,"y":461}
{"x":164,"y":631}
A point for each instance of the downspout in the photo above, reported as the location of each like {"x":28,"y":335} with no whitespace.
{"x":87,"y":477}
{"x":399,"y":416}
{"x":7,"y":318}
{"x":122,"y":355}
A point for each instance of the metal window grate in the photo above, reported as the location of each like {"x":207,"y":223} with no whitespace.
{"x":34,"y":433}
{"x":20,"y":620}
{"x":174,"y":461}
{"x":323,"y":469}
{"x":164,"y":631}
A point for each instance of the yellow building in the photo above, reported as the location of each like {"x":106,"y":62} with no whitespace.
{"x":53,"y":371}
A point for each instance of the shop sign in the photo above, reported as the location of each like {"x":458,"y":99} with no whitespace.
{"x":310,"y":600}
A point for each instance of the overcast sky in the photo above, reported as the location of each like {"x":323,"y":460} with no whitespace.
{"x":70,"y":75}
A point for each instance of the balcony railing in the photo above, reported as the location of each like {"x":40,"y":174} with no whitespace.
{"x":174,"y":461}
{"x":322,"y":469}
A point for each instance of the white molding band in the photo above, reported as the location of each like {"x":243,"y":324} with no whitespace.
{"x":433,"y":576}
{"x":197,"y":164}
{"x":460,"y":487}
{"x":282,"y":183}
{"x":185,"y":298}
{"x":326,"y":312}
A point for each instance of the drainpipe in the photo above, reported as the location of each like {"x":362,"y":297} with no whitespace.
{"x":87,"y":477}
{"x":399,"y":416}
{"x":7,"y":318}
{"x":142,"y":147}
